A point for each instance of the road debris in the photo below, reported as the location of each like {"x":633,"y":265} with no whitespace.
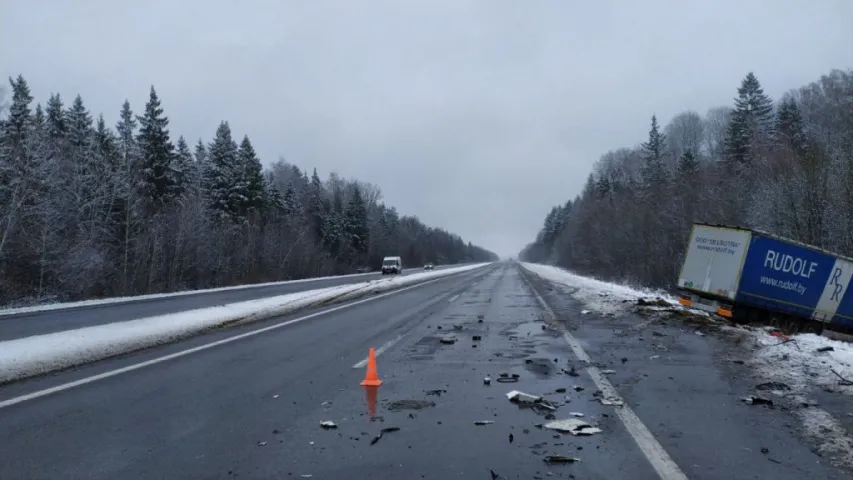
{"x":326,"y":404}
{"x":448,"y":340}
{"x":410,"y":405}
{"x":437,"y":392}
{"x":383,"y":432}
{"x":275,"y":396}
{"x":772,"y":386}
{"x":560,"y":390}
{"x":262,"y":444}
{"x":511,"y":438}
{"x":756,"y":400}
{"x":560,"y":459}
{"x":487,"y":381}
{"x":624,"y":359}
{"x":573,"y":426}
{"x":571,"y":372}
{"x":654,"y":357}
{"x":608,"y":372}
{"x":521,"y":397}
{"x":328,"y":425}
{"x":585,"y":312}
{"x":458,"y":327}
{"x":476,"y":338}
{"x":825,"y":349}
{"x":612,"y":401}
{"x":697,"y":332}
{"x":577,"y":388}
{"x":483,"y":422}
{"x":507,"y":378}
{"x":576,"y":414}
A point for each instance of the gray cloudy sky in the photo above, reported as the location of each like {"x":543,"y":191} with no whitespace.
{"x":476,"y":116}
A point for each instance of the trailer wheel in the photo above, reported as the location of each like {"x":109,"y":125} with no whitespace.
{"x":793,"y":326}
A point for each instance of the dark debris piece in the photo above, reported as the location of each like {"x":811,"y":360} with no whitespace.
{"x":560,"y":459}
{"x":383,"y":432}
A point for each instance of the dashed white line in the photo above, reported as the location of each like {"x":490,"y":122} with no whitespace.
{"x":380,"y":351}
{"x":453,"y":298}
{"x":660,"y":460}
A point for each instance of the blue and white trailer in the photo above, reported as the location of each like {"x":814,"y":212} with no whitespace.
{"x":749,"y":275}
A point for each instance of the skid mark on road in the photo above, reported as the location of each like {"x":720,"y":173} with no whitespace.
{"x":660,"y":460}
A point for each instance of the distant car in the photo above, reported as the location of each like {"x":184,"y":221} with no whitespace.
{"x":428,"y":266}
{"x":392,"y":265}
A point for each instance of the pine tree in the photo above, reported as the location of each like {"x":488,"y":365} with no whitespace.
{"x":55,"y":111}
{"x":688,"y":165}
{"x":751,"y":124}
{"x":186,"y":171}
{"x":221,"y":176}
{"x":252,"y":178}
{"x":789,"y":126}
{"x":200,"y":153}
{"x":315,"y":211}
{"x":157,"y":154}
{"x":358,"y":230}
{"x":653,"y":170}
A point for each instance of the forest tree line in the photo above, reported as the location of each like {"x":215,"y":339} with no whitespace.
{"x":88,"y":211}
{"x":785,"y":167}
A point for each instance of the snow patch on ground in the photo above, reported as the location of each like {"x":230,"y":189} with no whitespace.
{"x":25,"y":357}
{"x":599,"y":296}
{"x":797,"y":361}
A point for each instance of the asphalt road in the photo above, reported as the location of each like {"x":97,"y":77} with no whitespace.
{"x":252,"y":408}
{"x":38,"y":323}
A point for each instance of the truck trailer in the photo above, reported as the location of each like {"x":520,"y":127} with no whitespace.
{"x":752,"y":276}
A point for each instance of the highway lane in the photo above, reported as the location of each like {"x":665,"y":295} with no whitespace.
{"x":40,"y":322}
{"x":252,"y":408}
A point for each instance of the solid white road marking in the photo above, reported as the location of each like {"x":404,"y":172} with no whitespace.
{"x":379,"y":351}
{"x":182,"y":353}
{"x":453,"y":298}
{"x":660,"y":460}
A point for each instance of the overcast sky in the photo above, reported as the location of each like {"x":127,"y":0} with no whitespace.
{"x":476,"y":116}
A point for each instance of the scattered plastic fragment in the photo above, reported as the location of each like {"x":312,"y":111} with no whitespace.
{"x":825,"y":349}
{"x":457,"y":327}
{"x":756,"y":400}
{"x":511,"y":438}
{"x":560,"y":459}
{"x":576,"y":414}
{"x":560,"y":390}
{"x":654,"y":357}
{"x":608,"y":372}
{"x":262,"y":444}
{"x":765,"y":450}
{"x":383,"y":432}
{"x":410,"y":405}
{"x":483,"y":422}
{"x":585,"y":312}
{"x":476,"y":338}
{"x":573,"y":426}
{"x":328,"y":424}
{"x":578,"y":388}
{"x":307,"y":475}
{"x":571,"y":372}
{"x":624,"y":359}
{"x":449,"y":340}
{"x":326,"y":404}
{"x":275,"y":396}
{"x":437,"y":392}
{"x":612,"y":401}
{"x":699,"y":333}
{"x":487,"y":381}
{"x":521,"y":397}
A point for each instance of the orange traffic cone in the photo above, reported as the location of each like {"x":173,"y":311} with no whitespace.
{"x":371,"y":378}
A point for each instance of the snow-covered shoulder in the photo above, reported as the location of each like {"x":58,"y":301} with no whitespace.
{"x":597,"y":295}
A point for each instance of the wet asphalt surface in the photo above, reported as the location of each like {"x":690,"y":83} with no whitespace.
{"x":38,"y":323}
{"x":252,"y":408}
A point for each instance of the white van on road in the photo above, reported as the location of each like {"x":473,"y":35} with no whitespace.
{"x":392,"y":265}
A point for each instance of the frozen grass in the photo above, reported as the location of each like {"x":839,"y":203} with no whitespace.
{"x":598,"y":296}
{"x":39,"y":354}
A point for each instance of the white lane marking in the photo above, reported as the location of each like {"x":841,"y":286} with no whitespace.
{"x":380,"y":351}
{"x":153,"y":361}
{"x":660,"y":460}
{"x":453,"y":298}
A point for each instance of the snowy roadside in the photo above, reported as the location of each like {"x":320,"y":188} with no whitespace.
{"x":26,"y":357}
{"x":154,"y":296}
{"x":598,"y":296}
{"x":789,"y":370}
